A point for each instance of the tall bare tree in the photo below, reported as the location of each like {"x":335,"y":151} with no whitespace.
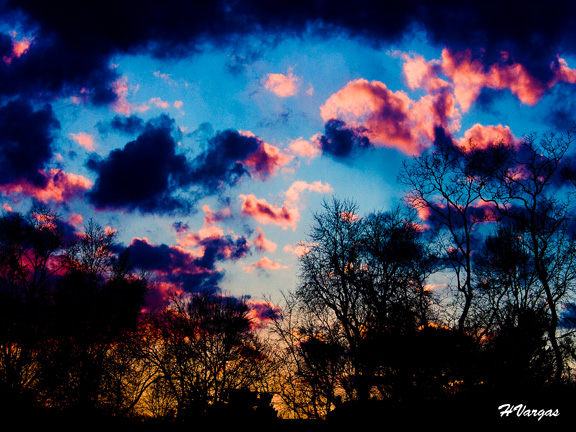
{"x":528,"y":190}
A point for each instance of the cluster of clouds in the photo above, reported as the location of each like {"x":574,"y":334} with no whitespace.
{"x":47,"y":54}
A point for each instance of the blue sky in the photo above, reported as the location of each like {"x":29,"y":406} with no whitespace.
{"x":274,"y":87}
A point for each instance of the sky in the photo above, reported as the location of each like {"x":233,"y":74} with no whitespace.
{"x":207,"y":134}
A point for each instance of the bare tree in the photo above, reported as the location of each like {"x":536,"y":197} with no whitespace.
{"x":203,"y":349}
{"x":31,"y":247}
{"x":364,"y":277}
{"x":526,"y":190}
{"x":444,"y":187}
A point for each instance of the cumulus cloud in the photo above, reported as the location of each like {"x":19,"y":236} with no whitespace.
{"x":467,"y":75}
{"x":59,"y":187}
{"x":368,"y":111}
{"x":84,"y":139}
{"x":300,"y":249}
{"x":262,"y":312}
{"x":231,"y":155}
{"x":130,"y":125}
{"x":308,"y":149}
{"x":288,"y":214}
{"x":144,"y":175}
{"x":262,"y":243}
{"x":209,"y":230}
{"x":483,"y":137}
{"x":282,"y":85}
{"x":26,"y":140}
{"x":58,"y":54}
{"x":267,"y":213}
{"x":266,"y":161}
{"x":341,"y":140}
{"x":183,"y":269}
{"x":221,"y":164}
{"x":264,"y":264}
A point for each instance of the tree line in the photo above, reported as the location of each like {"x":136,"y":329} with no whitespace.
{"x":464,"y":292}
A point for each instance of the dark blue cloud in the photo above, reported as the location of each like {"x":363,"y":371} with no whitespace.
{"x":75,"y":40}
{"x":145,"y":175}
{"x":26,"y":139}
{"x":342,"y":141}
{"x":191,"y":273}
{"x":131,"y":125}
{"x":221,"y":164}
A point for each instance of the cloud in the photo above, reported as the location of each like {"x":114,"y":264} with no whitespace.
{"x":264,"y":264}
{"x":470,"y":76}
{"x":266,"y":161}
{"x":44,"y":65}
{"x":286,"y":215}
{"x":262,"y":243}
{"x":466,"y":76}
{"x":221,"y":164}
{"x":71,"y":51}
{"x":299,"y":186}
{"x":186,"y":270}
{"x":369,"y":111}
{"x":209,"y":230}
{"x":262,"y":313}
{"x":483,"y":137}
{"x":19,"y":48}
{"x":149,"y":176}
{"x":266,"y":213}
{"x":26,"y":140}
{"x":300,"y":249}
{"x":121,"y":89}
{"x":308,"y":149}
{"x":85,"y":140}
{"x":282,"y":85}
{"x":420,"y":73}
{"x":341,"y":140}
{"x":231,"y":155}
{"x":144,"y":175}
{"x":130,"y":125}
{"x":59,"y":187}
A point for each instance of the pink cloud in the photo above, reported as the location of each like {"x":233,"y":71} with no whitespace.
{"x":288,"y":214}
{"x":482,"y":137}
{"x":264,"y":264}
{"x":159,"y":103}
{"x":60,"y":187}
{"x":19,"y":48}
{"x":300,"y":249}
{"x":266,"y":160}
{"x":209,"y":230}
{"x":262,"y":312}
{"x":469,"y":76}
{"x":121,"y":105}
{"x":308,"y":149}
{"x":262,"y":243}
{"x":85,"y":140}
{"x":282,"y":85}
{"x":266,"y":213}
{"x":420,"y":73}
{"x":392,"y":119}
{"x":299,"y":186}
{"x":75,"y":219}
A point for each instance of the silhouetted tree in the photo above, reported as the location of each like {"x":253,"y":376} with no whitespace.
{"x":311,"y":360}
{"x":31,"y":248}
{"x":444,"y":186}
{"x":95,"y":306}
{"x":526,"y":191}
{"x":364,"y":276}
{"x":203,"y":348}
